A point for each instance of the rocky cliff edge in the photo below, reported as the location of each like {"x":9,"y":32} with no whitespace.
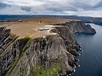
{"x":48,"y":55}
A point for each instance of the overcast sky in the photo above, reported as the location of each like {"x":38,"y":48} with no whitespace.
{"x":52,"y":7}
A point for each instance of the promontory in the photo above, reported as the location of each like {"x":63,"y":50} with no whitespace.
{"x":41,"y":46}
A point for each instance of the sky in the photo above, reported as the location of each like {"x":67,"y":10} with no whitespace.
{"x":52,"y":7}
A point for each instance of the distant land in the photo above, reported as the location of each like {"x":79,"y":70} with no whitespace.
{"x":87,"y":19}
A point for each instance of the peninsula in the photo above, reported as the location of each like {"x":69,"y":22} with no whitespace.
{"x":41,"y":46}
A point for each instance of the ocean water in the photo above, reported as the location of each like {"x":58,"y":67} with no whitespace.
{"x":27,"y":16}
{"x":91,"y":57}
{"x":16,"y":16}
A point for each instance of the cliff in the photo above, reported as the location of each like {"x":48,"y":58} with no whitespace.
{"x":79,"y":27}
{"x":48,"y":55}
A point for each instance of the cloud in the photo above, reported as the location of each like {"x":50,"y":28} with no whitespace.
{"x":52,"y":7}
{"x":2,"y":5}
{"x":26,"y":8}
{"x":12,"y":10}
{"x":23,"y":2}
{"x":98,"y":5}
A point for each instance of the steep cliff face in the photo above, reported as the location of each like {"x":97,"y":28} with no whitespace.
{"x":79,"y":27}
{"x":52,"y":55}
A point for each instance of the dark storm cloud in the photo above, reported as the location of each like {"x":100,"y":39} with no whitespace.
{"x":28,"y":9}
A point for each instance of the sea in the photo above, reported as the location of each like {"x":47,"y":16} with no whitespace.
{"x":90,"y":58}
{"x":2,"y":17}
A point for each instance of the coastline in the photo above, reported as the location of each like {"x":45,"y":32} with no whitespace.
{"x":37,"y":49}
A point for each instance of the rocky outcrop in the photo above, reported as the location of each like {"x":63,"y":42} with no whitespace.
{"x":52,"y":55}
{"x":79,"y":27}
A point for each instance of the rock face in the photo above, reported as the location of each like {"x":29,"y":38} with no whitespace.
{"x":52,"y":55}
{"x":79,"y":27}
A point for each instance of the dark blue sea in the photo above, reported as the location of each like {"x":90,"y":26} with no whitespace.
{"x":28,"y":16}
{"x":91,"y":57}
{"x":16,"y":16}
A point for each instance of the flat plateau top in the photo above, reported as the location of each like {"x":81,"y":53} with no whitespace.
{"x":34,"y":27}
